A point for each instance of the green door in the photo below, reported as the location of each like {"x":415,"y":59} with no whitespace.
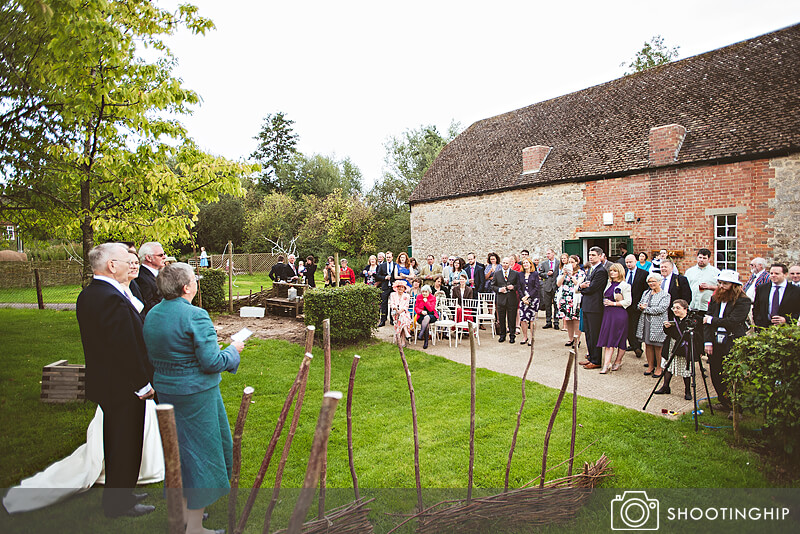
{"x":572,"y":246}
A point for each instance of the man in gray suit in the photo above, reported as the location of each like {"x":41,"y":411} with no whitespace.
{"x":592,"y":305}
{"x":505,"y":283}
{"x":548,"y":273}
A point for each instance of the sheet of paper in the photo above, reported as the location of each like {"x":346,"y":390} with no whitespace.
{"x":242,"y":335}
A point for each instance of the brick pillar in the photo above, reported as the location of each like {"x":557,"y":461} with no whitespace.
{"x":533,"y":158}
{"x":665,"y":143}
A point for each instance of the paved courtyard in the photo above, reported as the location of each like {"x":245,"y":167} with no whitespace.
{"x":627,"y":387}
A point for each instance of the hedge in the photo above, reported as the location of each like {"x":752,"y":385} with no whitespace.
{"x":212,"y":286}
{"x":354,"y":311}
{"x":765,"y":369}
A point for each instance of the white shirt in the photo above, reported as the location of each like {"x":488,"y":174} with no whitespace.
{"x":781,"y":289}
{"x":151,"y":269}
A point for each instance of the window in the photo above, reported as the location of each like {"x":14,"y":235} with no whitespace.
{"x":10,"y":233}
{"x":725,"y":241}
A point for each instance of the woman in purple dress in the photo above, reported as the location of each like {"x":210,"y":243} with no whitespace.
{"x":528,"y":294}
{"x":614,"y":328}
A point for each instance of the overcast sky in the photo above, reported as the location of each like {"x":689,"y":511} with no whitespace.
{"x":352,"y":74}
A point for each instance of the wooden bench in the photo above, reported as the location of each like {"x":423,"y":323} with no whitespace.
{"x":283,"y":306}
{"x":63,"y":382}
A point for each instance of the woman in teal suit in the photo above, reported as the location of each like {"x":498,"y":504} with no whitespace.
{"x":182,"y":346}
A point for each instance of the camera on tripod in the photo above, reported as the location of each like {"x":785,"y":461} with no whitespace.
{"x":694,"y":319}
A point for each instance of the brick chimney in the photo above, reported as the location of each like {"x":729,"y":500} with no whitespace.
{"x":665,"y":143}
{"x":533,"y":158}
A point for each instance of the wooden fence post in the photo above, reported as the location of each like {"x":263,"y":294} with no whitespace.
{"x":249,"y":263}
{"x":230,"y":277}
{"x":39,"y":297}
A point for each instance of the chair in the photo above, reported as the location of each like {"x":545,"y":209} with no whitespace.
{"x":414,"y":325}
{"x":486,"y":309}
{"x":446,"y":321}
{"x":470,"y":313}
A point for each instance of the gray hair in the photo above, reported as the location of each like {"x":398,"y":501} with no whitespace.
{"x":101,"y":254}
{"x":148,"y":248}
{"x":172,"y":278}
{"x":655,"y":276}
{"x":425,"y":288}
{"x":760,"y":261}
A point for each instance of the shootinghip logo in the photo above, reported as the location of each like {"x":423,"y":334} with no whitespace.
{"x":633,"y":510}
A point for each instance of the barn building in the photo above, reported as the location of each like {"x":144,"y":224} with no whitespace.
{"x":702,"y":152}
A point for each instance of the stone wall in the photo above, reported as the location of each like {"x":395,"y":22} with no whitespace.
{"x":535,"y":219}
{"x":783,"y":228}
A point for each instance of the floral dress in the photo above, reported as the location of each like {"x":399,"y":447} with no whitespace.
{"x":567,"y":309}
{"x":398,"y":306}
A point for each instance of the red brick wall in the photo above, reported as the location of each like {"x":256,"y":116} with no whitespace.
{"x":667,"y":202}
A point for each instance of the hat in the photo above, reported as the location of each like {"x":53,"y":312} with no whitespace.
{"x":729,"y":275}
{"x":399,"y":282}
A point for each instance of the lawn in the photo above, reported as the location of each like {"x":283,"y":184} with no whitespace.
{"x":644,"y":450}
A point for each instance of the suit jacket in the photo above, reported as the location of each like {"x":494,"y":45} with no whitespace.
{"x":733,"y":319}
{"x":480,"y":274}
{"x":638,"y":287}
{"x":111,"y":333}
{"x":383,"y":272}
{"x":456,"y":294}
{"x":789,"y":307}
{"x":592,"y":300}
{"x":498,"y":280}
{"x":147,"y":285}
{"x":678,"y":289}
{"x":425,"y":271}
{"x":278,"y":272}
{"x":183,"y":348}
{"x":548,"y":282}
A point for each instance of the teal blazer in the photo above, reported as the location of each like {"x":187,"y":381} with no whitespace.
{"x":182,"y":346}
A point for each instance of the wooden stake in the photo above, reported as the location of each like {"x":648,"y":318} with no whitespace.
{"x":472,"y":386}
{"x":287,"y":445}
{"x":310,"y":329}
{"x":238,"y":431}
{"x":356,"y":359}
{"x":521,"y":406}
{"x":172,"y":465}
{"x":574,"y":355}
{"x":230,"y":277}
{"x":553,"y":420}
{"x":326,"y":386}
{"x":39,"y":296}
{"x":318,"y":448}
{"x":248,"y":507}
{"x":416,"y":432}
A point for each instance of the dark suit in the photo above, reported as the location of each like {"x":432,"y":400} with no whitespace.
{"x":548,"y":291}
{"x":479,"y":276}
{"x":732,"y":320}
{"x":678,"y":289}
{"x":506,"y":302}
{"x":789,"y":307}
{"x":147,"y":285}
{"x":386,"y":285}
{"x":592,"y":307}
{"x":116,"y":367}
{"x":638,"y":287}
{"x":278,"y":272}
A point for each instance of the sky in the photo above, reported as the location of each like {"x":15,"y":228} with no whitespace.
{"x":352,"y":74}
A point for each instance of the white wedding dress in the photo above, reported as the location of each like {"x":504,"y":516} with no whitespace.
{"x":84,"y":468}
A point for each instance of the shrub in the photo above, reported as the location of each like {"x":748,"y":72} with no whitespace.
{"x":212,"y":285}
{"x":765,"y":370}
{"x":354,"y":310}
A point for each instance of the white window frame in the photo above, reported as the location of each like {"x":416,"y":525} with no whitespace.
{"x":11,"y":235}
{"x":722,"y":221}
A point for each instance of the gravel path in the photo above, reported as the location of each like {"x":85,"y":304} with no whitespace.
{"x":627,"y":387}
{"x":21,"y":306}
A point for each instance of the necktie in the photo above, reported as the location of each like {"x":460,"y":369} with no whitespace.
{"x":776,"y":301}
{"x":551,"y":265}
{"x":630,"y":277}
{"x":664,"y":283}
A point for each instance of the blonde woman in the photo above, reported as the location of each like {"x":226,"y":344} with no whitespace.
{"x":614,"y":328}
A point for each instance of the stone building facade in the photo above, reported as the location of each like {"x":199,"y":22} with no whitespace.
{"x":703,"y":152}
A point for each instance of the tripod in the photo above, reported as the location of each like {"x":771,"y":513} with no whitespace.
{"x":692,"y":359}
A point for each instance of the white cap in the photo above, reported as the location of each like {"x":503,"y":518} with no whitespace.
{"x":729,"y":275}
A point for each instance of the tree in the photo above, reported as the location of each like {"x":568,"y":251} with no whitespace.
{"x":652,"y":54}
{"x":88,"y":148}
{"x":276,"y":146}
{"x":317,"y":175}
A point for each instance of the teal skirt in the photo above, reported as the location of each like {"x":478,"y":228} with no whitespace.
{"x":206,"y":446}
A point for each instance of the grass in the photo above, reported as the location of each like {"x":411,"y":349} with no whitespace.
{"x":50,"y":294}
{"x":645,"y":450}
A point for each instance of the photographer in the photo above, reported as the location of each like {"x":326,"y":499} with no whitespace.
{"x":724,"y":322}
{"x":680,"y":364}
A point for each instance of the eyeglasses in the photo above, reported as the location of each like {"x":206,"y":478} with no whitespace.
{"x":162,"y":255}
{"x":122,"y":261}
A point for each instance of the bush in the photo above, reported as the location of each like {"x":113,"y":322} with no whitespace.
{"x":354,"y":310}
{"x":212,"y":285}
{"x":765,"y":371}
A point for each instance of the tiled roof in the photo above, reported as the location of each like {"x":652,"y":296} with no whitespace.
{"x":738,"y":101}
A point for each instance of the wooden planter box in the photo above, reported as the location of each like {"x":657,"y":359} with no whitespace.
{"x":63,"y":382}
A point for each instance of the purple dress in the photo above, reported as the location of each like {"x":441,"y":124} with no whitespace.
{"x":614,"y":329}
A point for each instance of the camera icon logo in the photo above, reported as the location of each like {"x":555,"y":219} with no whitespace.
{"x":633,"y":510}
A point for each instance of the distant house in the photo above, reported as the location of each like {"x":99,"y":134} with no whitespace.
{"x":702,"y":152}
{"x":10,"y":235}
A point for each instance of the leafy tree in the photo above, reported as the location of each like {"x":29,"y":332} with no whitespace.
{"x":345,"y":221}
{"x":219,"y":222}
{"x":653,"y":54}
{"x":278,"y":218}
{"x":276,"y":146}
{"x":318,"y":175}
{"x":86,"y":147}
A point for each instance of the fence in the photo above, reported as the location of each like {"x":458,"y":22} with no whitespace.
{"x":60,"y":283}
{"x":243,"y":263}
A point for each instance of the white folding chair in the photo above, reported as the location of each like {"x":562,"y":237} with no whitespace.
{"x":485,"y":315}
{"x":446,"y":321}
{"x":469,"y":313}
{"x":413,"y":330}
